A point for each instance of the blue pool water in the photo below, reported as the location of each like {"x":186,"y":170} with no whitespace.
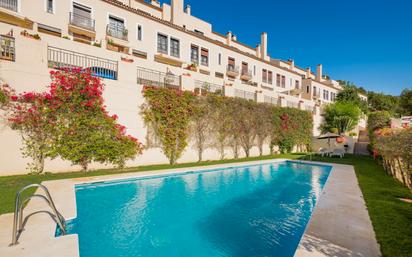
{"x":259,"y":210}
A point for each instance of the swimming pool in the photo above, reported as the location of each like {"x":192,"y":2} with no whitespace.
{"x":258,"y":210}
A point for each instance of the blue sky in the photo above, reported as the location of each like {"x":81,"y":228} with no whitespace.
{"x":368,"y":42}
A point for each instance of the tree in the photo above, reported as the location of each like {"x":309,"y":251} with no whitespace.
{"x":405,"y":101}
{"x":200,"y":124}
{"x":350,"y":94}
{"x":168,"y":112}
{"x":382,"y":102}
{"x":341,"y":115}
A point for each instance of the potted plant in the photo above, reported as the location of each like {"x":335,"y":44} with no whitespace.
{"x":111,"y":46}
{"x":340,"y":139}
{"x":192,"y":67}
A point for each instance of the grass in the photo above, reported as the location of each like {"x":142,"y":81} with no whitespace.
{"x":391,"y":218}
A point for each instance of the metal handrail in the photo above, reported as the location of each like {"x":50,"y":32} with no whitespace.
{"x":19,"y":222}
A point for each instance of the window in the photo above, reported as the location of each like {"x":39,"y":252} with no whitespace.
{"x":270,"y":77}
{"x":161,"y":43}
{"x":50,"y":6}
{"x":116,"y":28}
{"x":204,"y":57}
{"x":278,"y":80}
{"x":219,"y":59}
{"x":297,"y":86}
{"x":194,"y":54}
{"x":174,"y":47}
{"x":231,"y":63}
{"x":307,"y":89}
{"x":139,"y":32}
{"x":254,"y":70}
{"x":264,"y":76}
{"x":82,"y":16}
{"x":314,"y":91}
{"x":283,"y":81}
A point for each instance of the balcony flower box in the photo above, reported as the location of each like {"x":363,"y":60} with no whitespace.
{"x":24,"y":33}
{"x":192,"y":67}
{"x":125,"y":59}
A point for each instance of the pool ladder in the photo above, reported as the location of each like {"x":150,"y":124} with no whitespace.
{"x":19,"y":222}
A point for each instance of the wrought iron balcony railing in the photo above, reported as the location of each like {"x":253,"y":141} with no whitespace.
{"x":99,"y":67}
{"x":245,"y":95}
{"x":117,"y":31}
{"x":148,"y":77}
{"x":203,"y":87}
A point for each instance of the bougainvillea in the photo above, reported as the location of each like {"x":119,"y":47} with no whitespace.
{"x":71,"y":122}
{"x":29,"y":113}
{"x":222,"y":122}
{"x":168,"y":113}
{"x":86,"y":131}
{"x":293,"y":127}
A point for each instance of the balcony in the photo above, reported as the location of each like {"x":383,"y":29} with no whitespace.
{"x":203,"y":87}
{"x":245,"y":95}
{"x":82,"y":22}
{"x":232,"y":71}
{"x":7,"y":48}
{"x":148,"y":77}
{"x":117,"y":31}
{"x":246,"y":74}
{"x":11,"y":5}
{"x":59,"y":59}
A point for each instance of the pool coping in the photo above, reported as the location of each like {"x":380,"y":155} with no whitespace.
{"x":340,"y":193}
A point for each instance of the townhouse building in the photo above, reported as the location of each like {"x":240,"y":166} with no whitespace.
{"x":131,"y":43}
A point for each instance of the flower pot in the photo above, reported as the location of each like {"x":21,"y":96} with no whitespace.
{"x":340,"y":140}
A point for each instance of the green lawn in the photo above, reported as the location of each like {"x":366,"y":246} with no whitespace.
{"x":391,"y":218}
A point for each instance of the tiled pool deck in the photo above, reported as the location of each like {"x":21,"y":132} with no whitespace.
{"x":339,"y":226}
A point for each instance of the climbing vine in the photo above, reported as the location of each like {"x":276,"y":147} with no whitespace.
{"x":168,"y":112}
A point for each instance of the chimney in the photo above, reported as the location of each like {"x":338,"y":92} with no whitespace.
{"x":319,"y":75}
{"x":258,"y":51}
{"x":234,"y":37}
{"x":229,"y":38}
{"x":292,"y":64}
{"x":308,"y":73}
{"x":188,"y":9}
{"x":177,"y":11}
{"x":264,"y":45}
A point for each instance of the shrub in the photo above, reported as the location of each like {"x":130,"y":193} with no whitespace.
{"x":87,"y":133}
{"x":221,"y":121}
{"x":341,"y":115}
{"x":168,"y":112}
{"x":395,"y":147}
{"x":377,"y":120}
{"x":70,"y":121}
